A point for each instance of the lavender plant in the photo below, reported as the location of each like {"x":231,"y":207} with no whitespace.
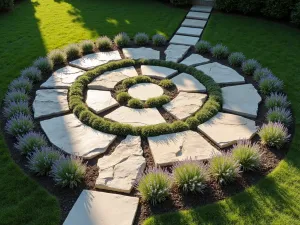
{"x":203,"y":47}
{"x":236,"y":59}
{"x":30,"y":141}
{"x":249,"y":66}
{"x":43,"y":64}
{"x":104,"y":43}
{"x":72,"y":51}
{"x":87,"y":46}
{"x":15,"y":96}
{"x":122,"y":39}
{"x":279,"y":114}
{"x":159,"y":40}
{"x":57,"y":57}
{"x":141,"y":39}
{"x":277,"y":100}
{"x":22,"y":84}
{"x":32,"y":73}
{"x":14,"y":108}
{"x":19,"y":125}
{"x":270,"y":84}
{"x":220,"y":51}
{"x":261,"y":73}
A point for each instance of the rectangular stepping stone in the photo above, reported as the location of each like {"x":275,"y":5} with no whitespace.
{"x":141,"y":53}
{"x":175,"y":53}
{"x":100,"y":208}
{"x":194,"y":23}
{"x":187,"y":83}
{"x":198,"y":15}
{"x":70,"y":135}
{"x":184,"y":40}
{"x":188,"y":31}
{"x":194,"y":60}
{"x":201,"y":8}
{"x":157,"y":71}
{"x":100,"y":101}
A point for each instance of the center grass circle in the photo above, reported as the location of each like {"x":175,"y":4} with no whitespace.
{"x":81,"y":110}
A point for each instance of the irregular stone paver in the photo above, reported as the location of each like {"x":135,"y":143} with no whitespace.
{"x":198,"y":15}
{"x":185,"y":104}
{"x":157,"y":71}
{"x":241,"y":99}
{"x":63,"y":78}
{"x":221,"y":74}
{"x":100,"y":208}
{"x":201,"y":8}
{"x":186,"y":82}
{"x":194,"y":23}
{"x":184,"y":40}
{"x":141,"y":53}
{"x":169,"y":148}
{"x":145,"y":91}
{"x":194,"y":60}
{"x":50,"y":102}
{"x":119,"y":170}
{"x":91,"y":61}
{"x":136,"y":117}
{"x":226,"y":129}
{"x":108,"y":80}
{"x":100,"y":101}
{"x":189,"y":31}
{"x":70,"y":135}
{"x":175,"y":53}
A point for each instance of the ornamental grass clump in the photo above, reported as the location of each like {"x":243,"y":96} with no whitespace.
{"x":104,"y":43}
{"x":159,"y":40}
{"x":122,"y":39}
{"x":22,"y":84}
{"x":141,"y":39}
{"x":203,"y":47}
{"x":261,"y":73}
{"x":129,"y":82}
{"x":154,"y":185}
{"x":157,"y":101}
{"x":87,"y":46}
{"x":44,"y":64}
{"x":14,"y":108}
{"x":123,"y":97}
{"x":274,"y":135}
{"x":19,"y":125}
{"x":73,"y":51}
{"x":166,"y":83}
{"x":236,"y":59}
{"x":32,"y":73}
{"x":249,"y":66}
{"x":30,"y":141}
{"x":281,"y":115}
{"x":135,"y":103}
{"x":277,"y":100}
{"x":142,"y":79}
{"x":190,"y":176}
{"x":270,"y":84}
{"x":15,"y":96}
{"x":248,"y":155}
{"x":68,"y":171}
{"x":220,"y":51}
{"x":57,"y":57}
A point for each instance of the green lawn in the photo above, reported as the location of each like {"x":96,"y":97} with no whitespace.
{"x":275,"y":199}
{"x":34,"y":28}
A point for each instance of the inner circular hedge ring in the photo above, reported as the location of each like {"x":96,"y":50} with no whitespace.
{"x":81,"y":110}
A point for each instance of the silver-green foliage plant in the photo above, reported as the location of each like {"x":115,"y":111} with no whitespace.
{"x":122,"y":39}
{"x":57,"y":57}
{"x":236,"y":59}
{"x":32,"y":73}
{"x":19,"y":125}
{"x":159,"y":40}
{"x":104,"y":43}
{"x":22,"y":84}
{"x":220,"y":51}
{"x":249,"y":66}
{"x":279,"y":114}
{"x":87,"y":46}
{"x":141,"y":39}
{"x":15,"y":96}
{"x":30,"y":141}
{"x":14,"y":108}
{"x":277,"y":100}
{"x":270,"y":84}
{"x":203,"y":47}
{"x":44,"y":64}
{"x":261,"y":73}
{"x":73,"y":51}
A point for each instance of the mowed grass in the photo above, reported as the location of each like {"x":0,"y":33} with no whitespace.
{"x":275,"y":199}
{"x":31,"y":30}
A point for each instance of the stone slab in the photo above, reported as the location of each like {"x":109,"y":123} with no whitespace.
{"x":170,"y":148}
{"x":226,"y":129}
{"x":100,"y":208}
{"x":136,"y":117}
{"x":145,"y":91}
{"x":119,"y":170}
{"x":184,"y":40}
{"x":157,"y":71}
{"x":201,"y":8}
{"x":194,"y":60}
{"x":221,"y":74}
{"x":175,"y":53}
{"x":187,"y":83}
{"x":141,"y":53}
{"x":185,"y":104}
{"x":70,"y":135}
{"x":100,"y":101}
{"x":198,"y":15}
{"x":194,"y":23}
{"x":49,"y":102}
{"x":188,"y":31}
{"x":91,"y":61}
{"x":108,"y":80}
{"x":63,"y":78}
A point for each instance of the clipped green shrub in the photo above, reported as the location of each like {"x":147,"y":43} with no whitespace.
{"x":295,"y":16}
{"x":104,"y":43}
{"x":135,"y":103}
{"x":159,"y":40}
{"x":277,"y":9}
{"x":123,"y":97}
{"x":142,"y":79}
{"x":43,"y":64}
{"x":166,"y":83}
{"x":141,"y":39}
{"x":157,"y":101}
{"x":227,"y":5}
{"x":122,"y":40}
{"x":73,"y":51}
{"x":129,"y":82}
{"x":180,"y":2}
{"x":249,"y":6}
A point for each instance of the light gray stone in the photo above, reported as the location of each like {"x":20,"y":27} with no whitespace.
{"x":170,"y":148}
{"x":91,"y":61}
{"x":175,"y":53}
{"x":198,"y":15}
{"x":194,"y":23}
{"x":194,"y":60}
{"x":221,"y":74}
{"x":119,"y":170}
{"x":63,"y":78}
{"x":186,"y":82}
{"x":157,"y":71}
{"x":141,"y":53}
{"x":201,"y":8}
{"x":184,"y":40}
{"x":188,"y":31}
{"x":70,"y":135}
{"x":100,"y":101}
{"x":185,"y":104}
{"x":226,"y":129}
{"x":145,"y":91}
{"x":108,"y":80}
{"x":100,"y":208}
{"x":136,"y":117}
{"x":50,"y":102}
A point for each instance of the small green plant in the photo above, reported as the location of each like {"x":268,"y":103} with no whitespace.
{"x":57,"y":57}
{"x":15,"y":96}
{"x":43,"y":64}
{"x":19,"y":125}
{"x":87,"y":46}
{"x":159,"y":40}
{"x":27,"y":143}
{"x":22,"y":84}
{"x":14,"y":108}
{"x":236,"y":59}
{"x":157,"y":101}
{"x":32,"y":73}
{"x":203,"y":47}
{"x":166,"y":83}
{"x":261,"y":73}
{"x":277,"y":100}
{"x":122,"y":40}
{"x":142,"y":79}
{"x":141,"y":39}
{"x":220,"y":51}
{"x":135,"y":103}
{"x":281,"y":115}
{"x":249,"y":66}
{"x":104,"y":43}
{"x":73,"y":51}
{"x":129,"y":82}
{"x":270,"y":84}
{"x":123,"y":97}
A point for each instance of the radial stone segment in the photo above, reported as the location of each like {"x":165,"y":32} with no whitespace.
{"x":198,"y":15}
{"x":119,"y":170}
{"x":50,"y":102}
{"x":175,"y":53}
{"x":91,"y":61}
{"x":108,"y":80}
{"x":189,"y":31}
{"x":72,"y":136}
{"x":136,"y":117}
{"x":221,"y":74}
{"x":226,"y":129}
{"x":170,"y":148}
{"x":194,"y":23}
{"x":157,"y":71}
{"x":241,"y":99}
{"x":186,"y":82}
{"x":63,"y":78}
{"x":100,"y":208}
{"x":100,"y":101}
{"x":184,"y":40}
{"x":145,"y":91}
{"x":201,"y":8}
{"x":194,"y":60}
{"x":185,"y":104}
{"x":141,"y":53}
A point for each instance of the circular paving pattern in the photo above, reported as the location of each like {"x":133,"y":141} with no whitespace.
{"x":145,"y":91}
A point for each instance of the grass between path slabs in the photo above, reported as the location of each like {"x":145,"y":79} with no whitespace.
{"x":275,"y":199}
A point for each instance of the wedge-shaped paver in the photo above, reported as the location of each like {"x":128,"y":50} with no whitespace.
{"x":63,"y":78}
{"x":186,"y":82}
{"x":194,"y":60}
{"x":108,"y":80}
{"x":50,"y":102}
{"x":70,"y":135}
{"x":157,"y":71}
{"x":145,"y":91}
{"x":201,"y":8}
{"x":175,"y":53}
{"x":91,"y":61}
{"x":226,"y":129}
{"x":100,"y":101}
{"x":188,"y":31}
{"x":221,"y":74}
{"x":119,"y":170}
{"x":198,"y":15}
{"x":100,"y":208}
{"x":136,"y":117}
{"x":194,"y":23}
{"x":185,"y":104}
{"x":170,"y":148}
{"x":184,"y":40}
{"x":141,"y":53}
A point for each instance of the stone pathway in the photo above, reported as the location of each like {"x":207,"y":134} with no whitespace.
{"x":157,"y":71}
{"x":186,"y":82}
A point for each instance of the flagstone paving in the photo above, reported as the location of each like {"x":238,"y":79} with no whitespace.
{"x":100,"y":101}
{"x":189,"y":31}
{"x":194,"y":23}
{"x":145,"y":91}
{"x":186,"y":82}
{"x":184,"y":40}
{"x":175,"y":53}
{"x":141,"y":53}
{"x":194,"y":60}
{"x":157,"y":71}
